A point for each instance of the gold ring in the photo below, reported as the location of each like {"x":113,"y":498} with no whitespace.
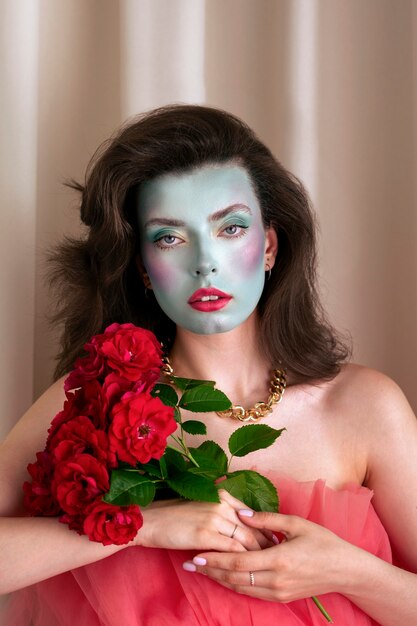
{"x":233,"y":533}
{"x":252,"y":579}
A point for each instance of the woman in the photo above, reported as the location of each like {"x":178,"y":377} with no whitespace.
{"x":196,"y":232}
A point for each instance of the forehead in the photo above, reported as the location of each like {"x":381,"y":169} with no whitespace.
{"x":208,"y":189}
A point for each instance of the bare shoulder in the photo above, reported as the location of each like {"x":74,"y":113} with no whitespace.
{"x":26,"y":438}
{"x":369,"y":395}
{"x":38,"y":417}
{"x":370,"y":411}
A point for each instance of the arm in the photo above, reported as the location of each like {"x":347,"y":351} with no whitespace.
{"x":313,"y":560}
{"x":33,"y":548}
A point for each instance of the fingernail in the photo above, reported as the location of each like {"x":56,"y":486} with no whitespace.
{"x":245,"y":512}
{"x":198,"y":560}
{"x":275,"y":539}
{"x":189,"y":567}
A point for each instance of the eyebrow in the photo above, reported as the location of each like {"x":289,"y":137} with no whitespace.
{"x":214,"y":217}
{"x":163,"y":221}
{"x":218,"y":215}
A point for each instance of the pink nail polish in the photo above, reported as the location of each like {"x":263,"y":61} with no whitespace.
{"x":198,"y":560}
{"x":275,"y":539}
{"x":245,"y":512}
{"x":189,"y":567}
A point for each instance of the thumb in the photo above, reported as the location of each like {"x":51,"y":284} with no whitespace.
{"x":289,"y":525}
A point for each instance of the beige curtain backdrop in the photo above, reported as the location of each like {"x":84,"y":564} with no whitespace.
{"x":329,"y":85}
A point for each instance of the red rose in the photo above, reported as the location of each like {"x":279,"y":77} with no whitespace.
{"x":78,"y":481}
{"x":88,"y":401}
{"x":89,"y":367}
{"x":74,"y":522}
{"x":133,"y":352}
{"x":115,"y":386}
{"x":38,"y":498}
{"x":69,"y":411}
{"x":79,"y":436}
{"x":140,"y":427}
{"x":109,"y":524}
{"x":92,"y":402}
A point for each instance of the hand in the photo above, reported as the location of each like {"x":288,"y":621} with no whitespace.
{"x":184,"y":525}
{"x":309,"y":561}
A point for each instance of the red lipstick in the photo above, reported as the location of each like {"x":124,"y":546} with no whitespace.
{"x":208,"y":300}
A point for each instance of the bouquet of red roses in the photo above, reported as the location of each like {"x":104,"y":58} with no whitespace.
{"x":107,"y":454}
{"x":108,"y":417}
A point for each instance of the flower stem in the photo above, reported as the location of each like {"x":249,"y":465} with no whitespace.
{"x":186,"y":453}
{"x":322,"y":609}
{"x":180,"y":441}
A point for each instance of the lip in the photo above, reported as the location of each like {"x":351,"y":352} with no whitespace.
{"x":196,"y":300}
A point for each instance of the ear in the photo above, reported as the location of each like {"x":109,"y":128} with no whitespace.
{"x":271,"y":247}
{"x":142,"y":272}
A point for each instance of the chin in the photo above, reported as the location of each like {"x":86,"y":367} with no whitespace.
{"x":215,"y":326}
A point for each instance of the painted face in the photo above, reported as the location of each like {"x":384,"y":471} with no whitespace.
{"x":203,"y":245}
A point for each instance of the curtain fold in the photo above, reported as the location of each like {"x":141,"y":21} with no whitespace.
{"x":162,"y":53}
{"x":19,"y":40}
{"x":329,"y":85}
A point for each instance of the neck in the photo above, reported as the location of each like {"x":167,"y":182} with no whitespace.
{"x":232,"y":359}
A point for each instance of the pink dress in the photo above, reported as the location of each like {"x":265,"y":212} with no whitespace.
{"x":147,"y":586}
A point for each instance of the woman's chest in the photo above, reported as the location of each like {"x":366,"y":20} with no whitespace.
{"x":314,"y":443}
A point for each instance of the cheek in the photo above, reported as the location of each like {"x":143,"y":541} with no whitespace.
{"x":160,"y":271}
{"x":253,"y":256}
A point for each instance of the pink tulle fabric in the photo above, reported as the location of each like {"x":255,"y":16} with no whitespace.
{"x":146,"y":586}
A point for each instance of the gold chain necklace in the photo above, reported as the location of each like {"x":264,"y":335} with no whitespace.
{"x":277,"y":387}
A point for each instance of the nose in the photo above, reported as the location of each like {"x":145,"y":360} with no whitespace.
{"x":204,"y":271}
{"x":205,"y":264}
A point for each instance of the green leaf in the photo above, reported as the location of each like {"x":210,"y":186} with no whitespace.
{"x":130,"y":487}
{"x":210,"y":456}
{"x":166,"y":394}
{"x":204,"y":398}
{"x":210,"y":465}
{"x":253,"y":489}
{"x":252,"y":437}
{"x":163,"y":467}
{"x":174,"y":462}
{"x":177,"y":415}
{"x":189,"y":383}
{"x":194,"y":487}
{"x":163,"y":492}
{"x":194,"y":427}
{"x":153,"y":468}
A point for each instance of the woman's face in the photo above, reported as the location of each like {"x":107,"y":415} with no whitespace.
{"x":203,"y":246}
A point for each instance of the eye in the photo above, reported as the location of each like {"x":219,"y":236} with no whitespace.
{"x":168,"y":241}
{"x":234,"y":230}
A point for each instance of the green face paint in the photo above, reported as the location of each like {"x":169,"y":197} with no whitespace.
{"x":203,"y":245}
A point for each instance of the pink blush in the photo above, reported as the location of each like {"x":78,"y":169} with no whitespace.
{"x":163,"y":276}
{"x":253,"y":256}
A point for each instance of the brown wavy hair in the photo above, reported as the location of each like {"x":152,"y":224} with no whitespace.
{"x":96,"y":277}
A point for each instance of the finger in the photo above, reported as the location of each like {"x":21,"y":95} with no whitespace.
{"x":243,"y":562}
{"x":239,"y":582}
{"x":218,"y":541}
{"x":289,"y":525}
{"x":264,"y":538}
{"x":234,"y":502}
{"x":248,"y":538}
{"x":260,"y":578}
